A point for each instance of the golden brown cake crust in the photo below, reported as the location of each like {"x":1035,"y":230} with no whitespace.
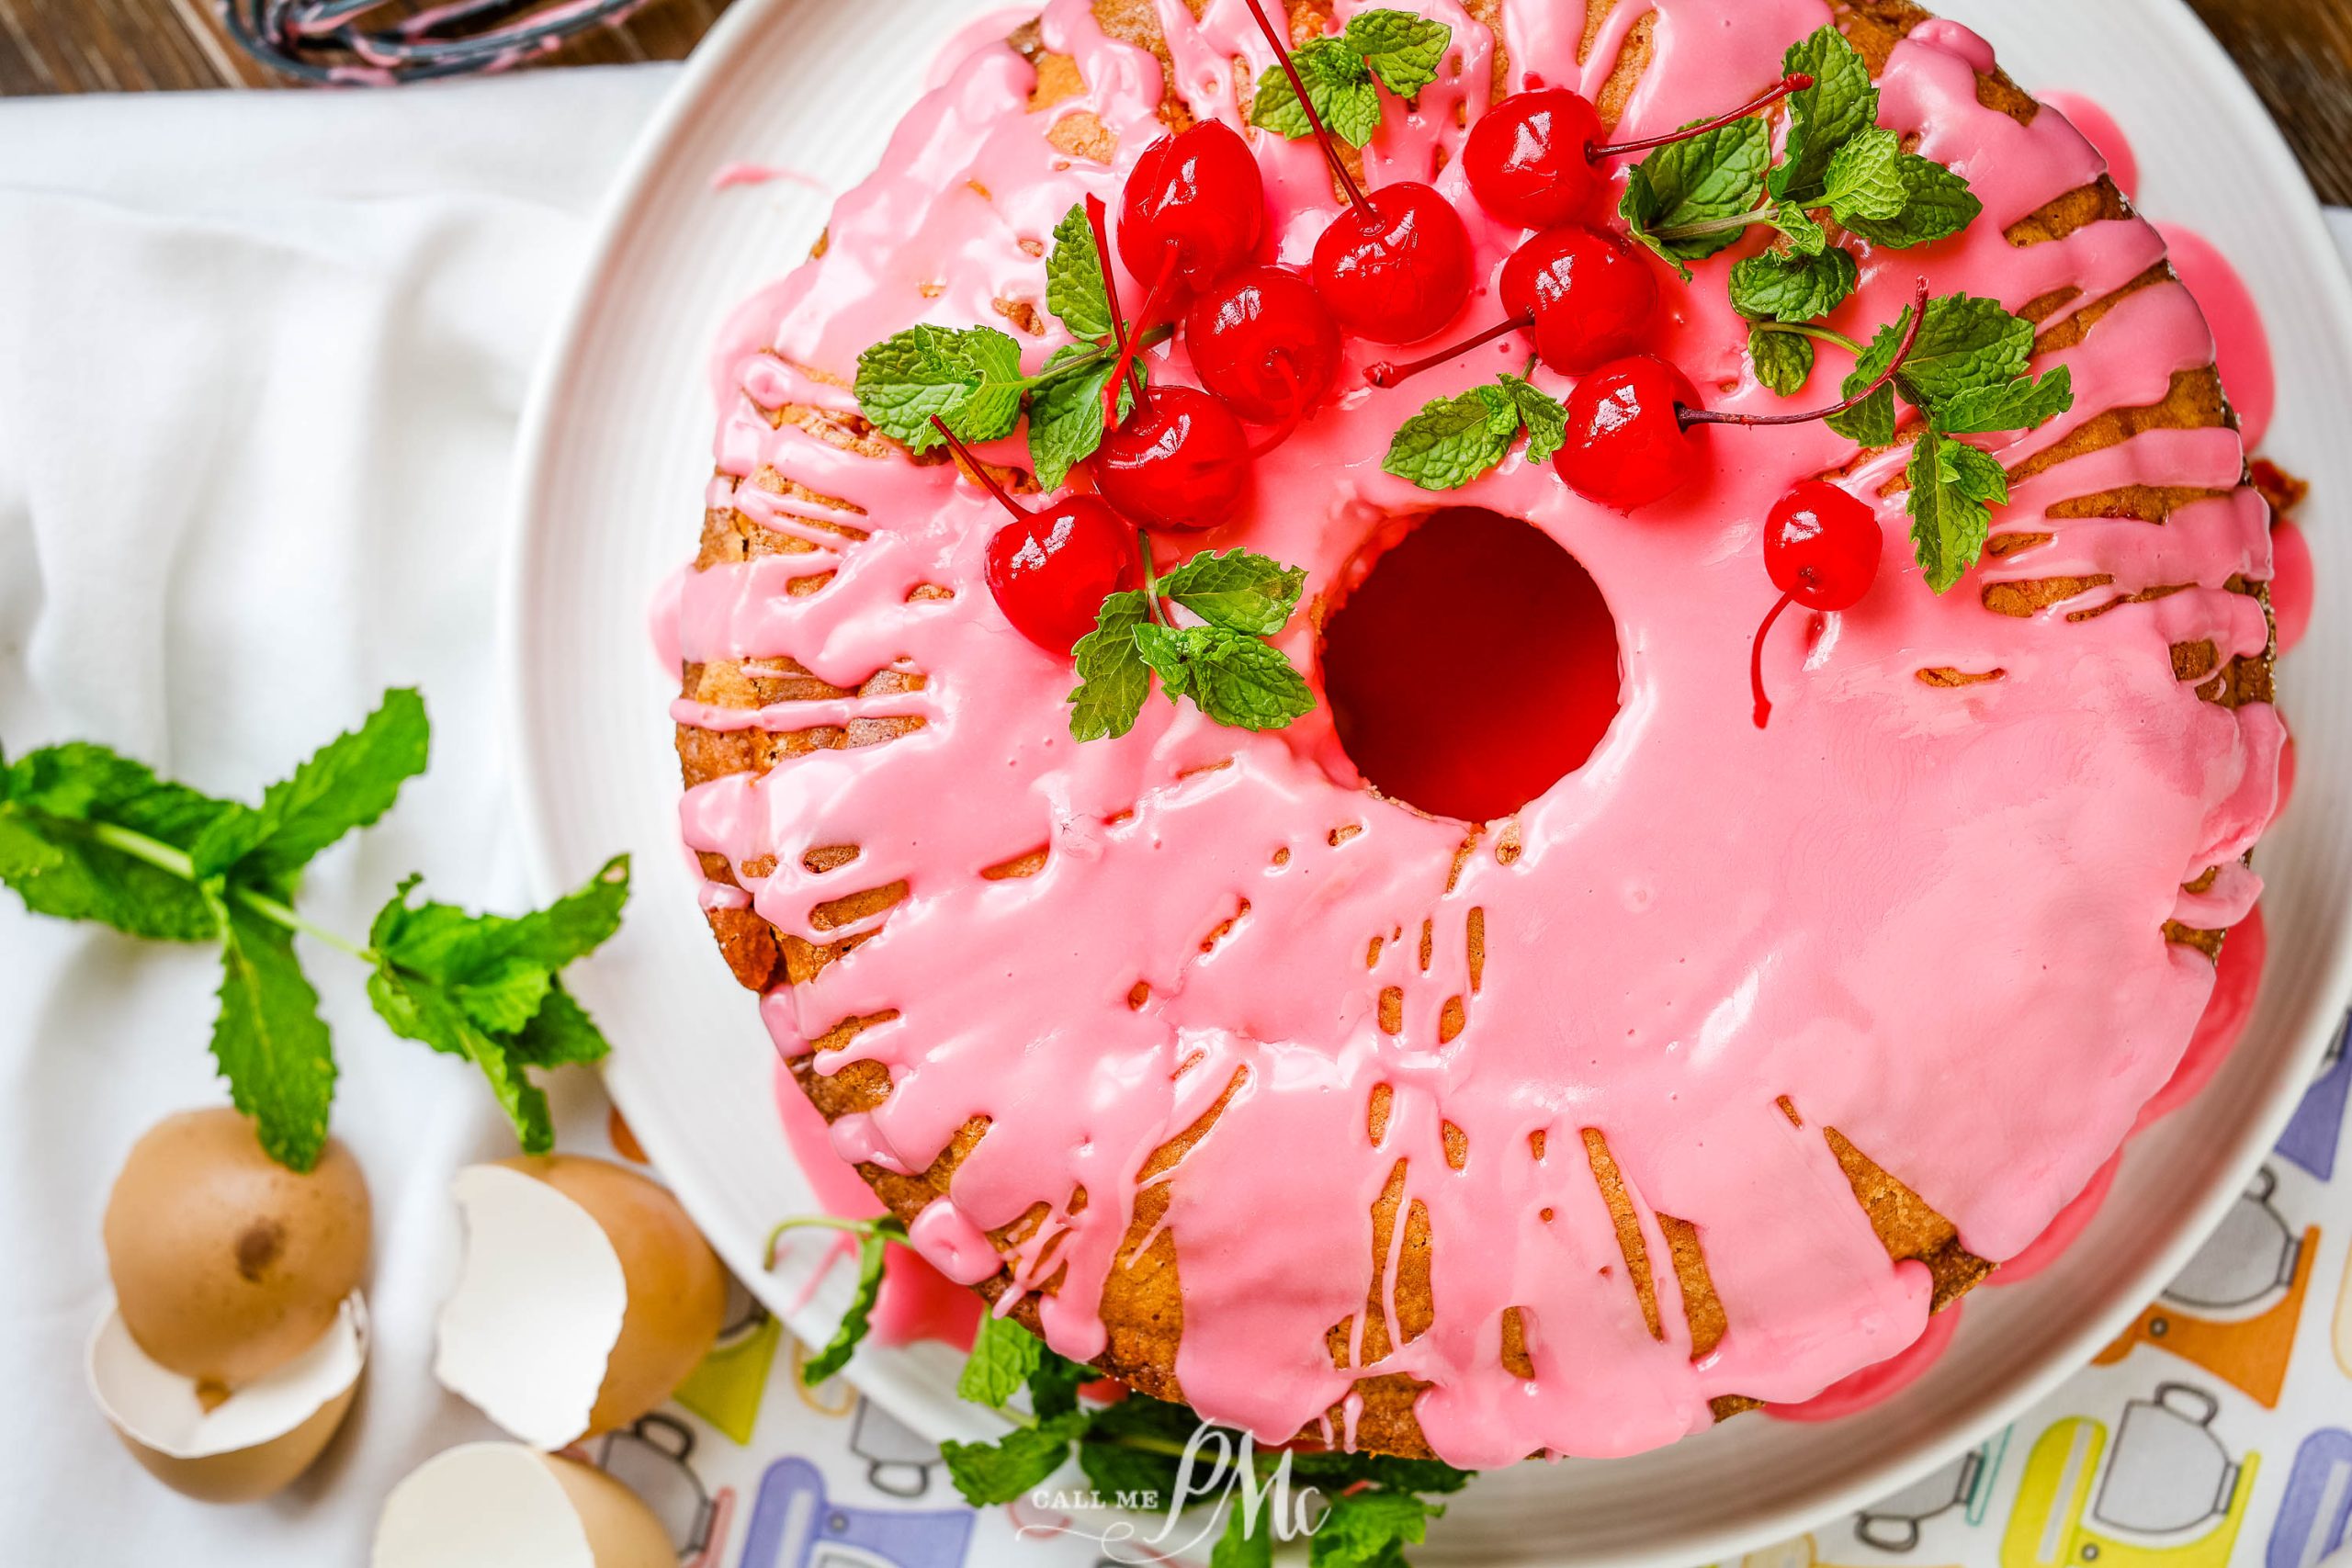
{"x":1142,"y":1308}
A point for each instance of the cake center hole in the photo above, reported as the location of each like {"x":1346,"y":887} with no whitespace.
{"x":1474,"y":666}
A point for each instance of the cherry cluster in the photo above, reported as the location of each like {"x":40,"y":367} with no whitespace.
{"x":1394,"y":267}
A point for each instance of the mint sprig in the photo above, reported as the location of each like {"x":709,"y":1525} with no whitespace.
{"x":87,"y":834}
{"x":1342,"y":75}
{"x":1689,"y":200}
{"x":1968,"y":373}
{"x":874,"y":1238}
{"x":1453,"y":440}
{"x":1223,"y":665}
{"x":972,"y":377}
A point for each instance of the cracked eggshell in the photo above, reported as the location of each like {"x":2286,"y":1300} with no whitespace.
{"x":502,"y":1506}
{"x":241,"y":1447}
{"x":227,"y":1264}
{"x":587,"y":1296}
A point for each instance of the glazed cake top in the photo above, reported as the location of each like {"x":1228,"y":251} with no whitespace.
{"x":1929,"y":915}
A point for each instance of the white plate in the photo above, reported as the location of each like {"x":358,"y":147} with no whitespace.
{"x":614,"y":456}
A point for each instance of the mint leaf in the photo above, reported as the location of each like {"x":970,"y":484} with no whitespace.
{"x":1840,"y":103}
{"x":1238,"y":590}
{"x":1863,"y":181}
{"x":1780,"y":287}
{"x":1953,"y":489}
{"x":1113,"y":678}
{"x":57,"y":806}
{"x":1074,"y":290}
{"x":1545,"y":416}
{"x":1004,"y":1355}
{"x":1053,"y":1387}
{"x":1690,"y":199}
{"x":1242,"y":681}
{"x":1339,"y":84}
{"x":1365,"y":1529}
{"x":1453,"y":440}
{"x":1805,"y":237}
{"x":873,"y":1248}
{"x":420,"y":1009}
{"x":1870,"y":423}
{"x":1965,"y":343}
{"x":1936,"y":204}
{"x":1335,"y":1470}
{"x":1244,"y":1542}
{"x":559,"y":1034}
{"x":269,"y":1039}
{"x":572,"y":927}
{"x":1403,"y":49}
{"x":1783,"y":360}
{"x":2023,"y":404}
{"x":348,"y":783}
{"x":970,"y":378}
{"x":1167,"y":653}
{"x":1003,"y":1471}
{"x":1065,"y":411}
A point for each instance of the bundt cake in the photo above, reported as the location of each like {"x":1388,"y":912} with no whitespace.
{"x":1704,"y":1074}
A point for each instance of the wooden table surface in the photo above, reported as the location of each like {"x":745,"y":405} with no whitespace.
{"x":2298,"y":53}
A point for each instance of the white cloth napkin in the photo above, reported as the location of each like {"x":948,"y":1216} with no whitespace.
{"x":261,"y":359}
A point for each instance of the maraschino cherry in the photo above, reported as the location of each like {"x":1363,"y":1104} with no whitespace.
{"x":1821,"y":549}
{"x":1181,"y":460}
{"x":1534,"y":157}
{"x":1395,"y":267}
{"x":1261,"y":339}
{"x":1192,"y":205}
{"x":1631,"y":438}
{"x":1050,"y":570}
{"x":1586,"y":297}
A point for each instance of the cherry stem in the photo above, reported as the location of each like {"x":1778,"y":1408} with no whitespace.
{"x":1691,"y":416}
{"x":1306,"y":105}
{"x":1755,"y":658}
{"x":1385,"y":374}
{"x":1095,"y":212}
{"x":963,"y":454}
{"x":1797,"y":82}
{"x":1153,"y":300}
{"x":1150,"y":577}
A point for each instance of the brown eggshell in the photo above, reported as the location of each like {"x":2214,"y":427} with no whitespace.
{"x":226,"y":1265}
{"x":622,"y":1531}
{"x":677,"y":1289}
{"x":249,"y":1474}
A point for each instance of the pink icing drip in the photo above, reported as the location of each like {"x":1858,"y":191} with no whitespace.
{"x":1858,"y":1391}
{"x":2095,"y":123}
{"x":1896,"y":901}
{"x":2291,"y":584}
{"x":2065,"y":1229}
{"x":2242,"y":343}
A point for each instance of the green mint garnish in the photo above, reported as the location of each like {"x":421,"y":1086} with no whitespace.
{"x":1690,"y":199}
{"x":1453,"y":440}
{"x":1783,"y":360}
{"x":1004,"y":1357}
{"x":85,"y":834}
{"x":1780,"y":287}
{"x":1841,"y":103}
{"x":1936,"y":204}
{"x":1954,"y":488}
{"x":972,"y":377}
{"x":1396,"y":50}
{"x":1225,"y":666}
{"x":1074,"y":288}
{"x":1370,"y":1529}
{"x":874,"y":1240}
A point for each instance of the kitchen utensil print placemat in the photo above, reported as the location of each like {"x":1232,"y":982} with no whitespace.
{"x":2216,"y":1430}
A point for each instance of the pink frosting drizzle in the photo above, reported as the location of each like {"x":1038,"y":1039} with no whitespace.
{"x":1930,"y":916}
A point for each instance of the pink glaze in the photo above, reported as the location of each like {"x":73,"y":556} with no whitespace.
{"x":2063,"y":1230}
{"x":1929,"y":917}
{"x":2099,"y":127}
{"x":2292,"y":584}
{"x":2237,"y":978}
{"x":2241,"y":345}
{"x":727,"y":176}
{"x":1858,"y":1391}
{"x":916,"y":1302}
